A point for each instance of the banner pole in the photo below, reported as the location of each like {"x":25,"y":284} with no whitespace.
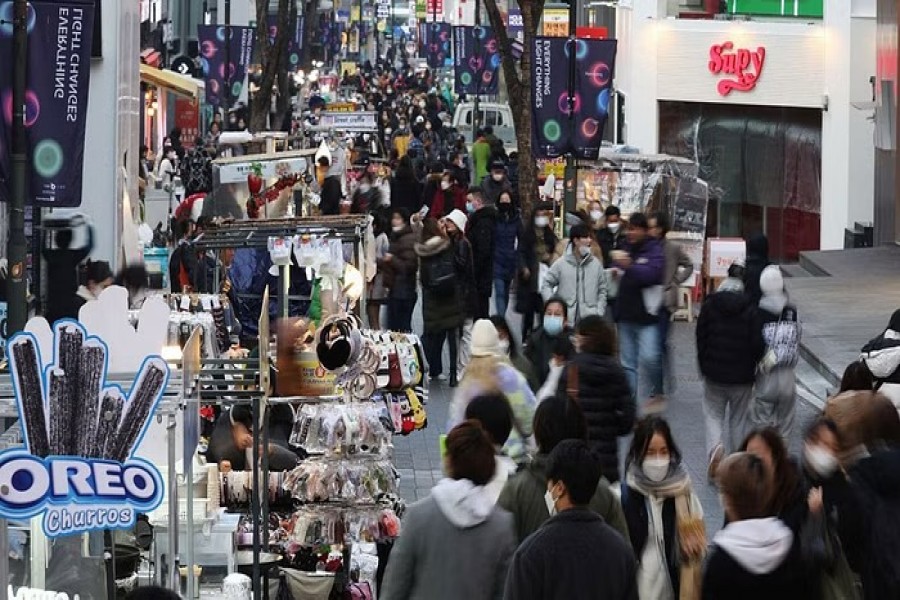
{"x":570,"y":191}
{"x":226,"y":84}
{"x":17,"y":247}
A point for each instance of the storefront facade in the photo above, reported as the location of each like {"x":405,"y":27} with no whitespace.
{"x":767,"y":110}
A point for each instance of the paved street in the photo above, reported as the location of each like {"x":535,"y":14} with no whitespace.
{"x":418,"y":460}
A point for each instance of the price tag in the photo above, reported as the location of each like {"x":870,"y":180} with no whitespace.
{"x":185,"y":302}
{"x":215,"y":302}
{"x":206,"y":302}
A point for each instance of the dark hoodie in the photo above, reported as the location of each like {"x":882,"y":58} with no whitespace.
{"x":757,"y":260}
{"x":729,"y":338}
{"x":481,"y":230}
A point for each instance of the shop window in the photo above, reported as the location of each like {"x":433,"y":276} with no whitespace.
{"x":763,"y":166}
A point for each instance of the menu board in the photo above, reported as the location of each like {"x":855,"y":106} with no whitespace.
{"x":689,"y":208}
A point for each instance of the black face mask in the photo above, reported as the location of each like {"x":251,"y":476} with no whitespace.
{"x":504,"y":207}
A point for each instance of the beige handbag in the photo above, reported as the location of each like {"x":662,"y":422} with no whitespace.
{"x":691,"y":531}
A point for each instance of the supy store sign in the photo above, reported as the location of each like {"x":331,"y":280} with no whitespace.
{"x":740,"y":68}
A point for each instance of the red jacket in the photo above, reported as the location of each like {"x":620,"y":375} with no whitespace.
{"x":446,"y":200}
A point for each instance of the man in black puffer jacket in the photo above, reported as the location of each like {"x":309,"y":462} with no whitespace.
{"x":481,"y":234}
{"x":729,"y":347}
{"x":603,"y":391}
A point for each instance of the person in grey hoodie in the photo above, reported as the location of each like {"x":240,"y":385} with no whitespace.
{"x":776,"y":383}
{"x":755,"y":555}
{"x":455,"y":543}
{"x":578,"y":277}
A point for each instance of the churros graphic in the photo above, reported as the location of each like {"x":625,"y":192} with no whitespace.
{"x":28,"y":381}
{"x":70,"y":411}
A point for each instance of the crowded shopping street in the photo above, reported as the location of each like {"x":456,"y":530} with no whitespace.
{"x":449,"y":300}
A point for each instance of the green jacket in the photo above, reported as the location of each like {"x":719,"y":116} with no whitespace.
{"x":481,"y":157}
{"x":523,"y":496}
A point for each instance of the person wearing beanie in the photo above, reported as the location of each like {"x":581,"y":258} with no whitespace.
{"x":775,"y":379}
{"x":495,"y":183}
{"x":490,"y":372}
{"x":455,"y":228}
{"x":729,"y":348}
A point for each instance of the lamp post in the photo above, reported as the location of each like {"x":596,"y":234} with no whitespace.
{"x":17,"y":247}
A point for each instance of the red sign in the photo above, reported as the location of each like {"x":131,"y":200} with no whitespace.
{"x":591,"y":33}
{"x":435,"y":7}
{"x":743,"y":65}
{"x":187,"y":118}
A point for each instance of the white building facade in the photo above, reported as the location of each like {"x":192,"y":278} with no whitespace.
{"x":777,"y":112}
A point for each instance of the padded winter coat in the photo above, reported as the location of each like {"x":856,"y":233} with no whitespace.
{"x":605,"y":398}
{"x":729,"y":339}
{"x":580,"y":282}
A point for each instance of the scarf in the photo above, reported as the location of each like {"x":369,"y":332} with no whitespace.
{"x":676,"y":483}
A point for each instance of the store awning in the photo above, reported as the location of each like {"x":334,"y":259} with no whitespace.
{"x":170,"y":80}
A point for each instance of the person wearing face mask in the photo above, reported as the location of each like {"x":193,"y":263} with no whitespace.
{"x":366,"y":197}
{"x":657,"y":495}
{"x":432,"y":187}
{"x":495,"y":183}
{"x":510,"y":349}
{"x":525,"y":494}
{"x":168,"y":166}
{"x":553,"y":328}
{"x":98,"y":277}
{"x":406,"y":191}
{"x":578,"y":277}
{"x":827,"y":495}
{"x":448,"y":197}
{"x":455,"y":227}
{"x":534,"y":254}
{"x":481,"y":234}
{"x":460,"y":168}
{"x":575,"y":555}
{"x":507,"y":238}
{"x":788,"y":501}
{"x":400,"y":266}
{"x":401,"y":138}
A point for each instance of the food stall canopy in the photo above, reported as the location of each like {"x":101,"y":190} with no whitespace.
{"x":172,"y":81}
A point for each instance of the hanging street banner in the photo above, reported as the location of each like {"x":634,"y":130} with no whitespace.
{"x":476,"y":60}
{"x":295,"y":42}
{"x":77,"y":469}
{"x":212,"y":39}
{"x":553,"y":133}
{"x":434,"y":43}
{"x":60,"y":34}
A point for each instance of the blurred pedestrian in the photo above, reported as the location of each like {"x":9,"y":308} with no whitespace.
{"x":637,"y":310}
{"x":757,"y":260}
{"x":525,"y":495}
{"x":494,"y":414}
{"x":400,"y":265}
{"x":456,"y":543}
{"x":775,"y":390}
{"x":664,"y":515}
{"x":755,"y":555}
{"x":596,"y":380}
{"x":575,"y":555}
{"x":489,"y":372}
{"x":535,"y":253}
{"x":507,"y":238}
{"x":62,"y":272}
{"x":440,"y":298}
{"x":481,"y":234}
{"x":787,"y":501}
{"x":510,"y":349}
{"x":882,"y":356}
{"x":729,"y":348}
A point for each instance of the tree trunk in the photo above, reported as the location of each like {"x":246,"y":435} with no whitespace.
{"x":283,"y":106}
{"x":310,"y":14}
{"x":518,"y":87}
{"x":271,"y":59}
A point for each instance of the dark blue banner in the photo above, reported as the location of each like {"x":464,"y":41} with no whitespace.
{"x":434,"y":43}
{"x":292,"y":51}
{"x":476,"y":60}
{"x":553,"y":132}
{"x":212,"y":39}
{"x":60,"y":35}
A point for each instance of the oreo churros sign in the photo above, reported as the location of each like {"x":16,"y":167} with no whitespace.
{"x":77,"y":468}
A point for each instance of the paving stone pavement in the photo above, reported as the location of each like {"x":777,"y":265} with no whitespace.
{"x":418,"y":459}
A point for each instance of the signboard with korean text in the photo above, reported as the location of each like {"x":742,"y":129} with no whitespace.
{"x":722,"y":252}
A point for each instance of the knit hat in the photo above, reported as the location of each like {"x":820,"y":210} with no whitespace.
{"x":485,"y":341}
{"x":458,"y":219}
{"x":771,"y":282}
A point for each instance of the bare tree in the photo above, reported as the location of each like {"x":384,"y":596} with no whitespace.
{"x":518,"y":86}
{"x":283,"y":106}
{"x":272,"y":59}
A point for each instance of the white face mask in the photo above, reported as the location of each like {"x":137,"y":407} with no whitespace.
{"x":550,"y":502}
{"x":397,"y":228}
{"x":504,"y":346}
{"x":596,"y":215}
{"x":497,"y":176}
{"x":655,"y":469}
{"x":822,"y":462}
{"x":614,"y":227}
{"x":387,"y":131}
{"x":541,"y":221}
{"x":422,"y":104}
{"x":445,"y":185}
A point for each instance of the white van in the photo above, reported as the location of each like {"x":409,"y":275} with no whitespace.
{"x":497,"y":115}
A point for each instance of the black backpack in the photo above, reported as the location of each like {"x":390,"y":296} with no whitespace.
{"x":439,"y":272}
{"x":197,"y":172}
